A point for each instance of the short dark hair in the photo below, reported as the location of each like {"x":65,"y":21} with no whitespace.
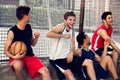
{"x":80,"y":38}
{"x":71,"y":13}
{"x":21,"y":11}
{"x":105,"y":14}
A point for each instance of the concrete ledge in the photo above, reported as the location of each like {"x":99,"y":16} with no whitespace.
{"x":6,"y":72}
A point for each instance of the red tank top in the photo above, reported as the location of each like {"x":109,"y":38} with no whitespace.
{"x":97,"y":41}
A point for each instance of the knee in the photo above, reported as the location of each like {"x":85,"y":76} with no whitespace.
{"x":87,"y":62}
{"x":44,"y":71}
{"x":17,"y":66}
{"x":68,"y":74}
{"x":115,"y":54}
{"x":107,"y":58}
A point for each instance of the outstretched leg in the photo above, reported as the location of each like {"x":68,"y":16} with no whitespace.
{"x":115,"y":56}
{"x":19,"y":71}
{"x":90,"y":69}
{"x":45,"y":73}
{"x":68,"y":74}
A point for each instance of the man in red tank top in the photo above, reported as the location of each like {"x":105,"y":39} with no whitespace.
{"x":102,"y":33}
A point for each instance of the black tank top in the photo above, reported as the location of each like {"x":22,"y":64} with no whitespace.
{"x":88,"y":54}
{"x":25,"y":36}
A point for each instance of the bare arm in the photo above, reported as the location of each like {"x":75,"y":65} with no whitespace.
{"x":35,"y":38}
{"x":8,"y":43}
{"x":72,"y":49}
{"x":56,"y":32}
{"x":103,"y":33}
{"x":73,"y":43}
{"x":106,"y":44}
{"x":97,"y":57}
{"x":114,"y":46}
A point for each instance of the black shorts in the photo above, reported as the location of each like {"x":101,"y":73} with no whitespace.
{"x":100,"y":50}
{"x":100,"y":72}
{"x":75,"y":65}
{"x":61,"y":65}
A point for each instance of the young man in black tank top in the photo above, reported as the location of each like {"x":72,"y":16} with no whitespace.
{"x":104,"y":62}
{"x":22,"y":32}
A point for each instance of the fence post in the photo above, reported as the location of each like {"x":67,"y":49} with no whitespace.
{"x":81,"y":18}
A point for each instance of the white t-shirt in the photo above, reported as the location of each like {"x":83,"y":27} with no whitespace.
{"x":60,"y":46}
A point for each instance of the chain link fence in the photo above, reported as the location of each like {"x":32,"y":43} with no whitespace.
{"x":45,"y":14}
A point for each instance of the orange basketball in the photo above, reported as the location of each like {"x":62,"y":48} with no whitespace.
{"x":17,"y":47}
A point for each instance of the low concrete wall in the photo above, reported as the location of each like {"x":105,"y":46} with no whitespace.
{"x":6,"y":72}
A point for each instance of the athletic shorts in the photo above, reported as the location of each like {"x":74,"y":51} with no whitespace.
{"x":32,"y":64}
{"x":100,"y":72}
{"x":61,"y":65}
{"x":76,"y":64}
{"x":100,"y":50}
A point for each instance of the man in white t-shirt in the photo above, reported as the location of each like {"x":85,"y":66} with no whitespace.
{"x":62,"y":50}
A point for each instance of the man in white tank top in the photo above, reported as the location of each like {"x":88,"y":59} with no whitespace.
{"x":62,"y":50}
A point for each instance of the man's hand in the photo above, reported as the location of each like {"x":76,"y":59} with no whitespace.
{"x":36,"y":34}
{"x":20,"y":55}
